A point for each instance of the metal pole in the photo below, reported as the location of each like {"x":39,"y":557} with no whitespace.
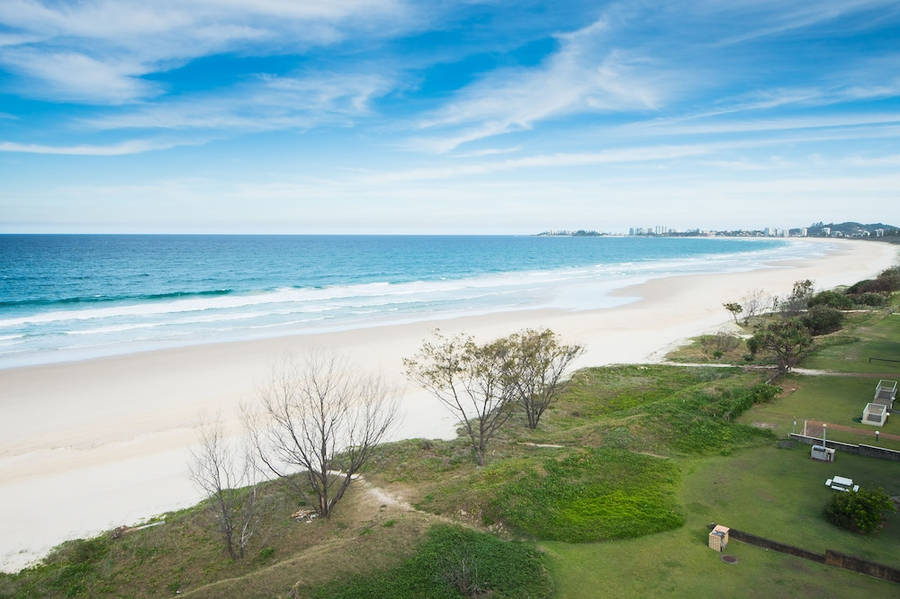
{"x":824,"y":428}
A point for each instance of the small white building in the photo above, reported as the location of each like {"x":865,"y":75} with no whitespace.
{"x":875,"y":414}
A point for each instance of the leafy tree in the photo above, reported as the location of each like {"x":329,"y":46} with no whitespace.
{"x":789,"y":340}
{"x":539,"y":362}
{"x":863,"y":511}
{"x":472,"y":380}
{"x":735,"y":309}
{"x":821,"y":320}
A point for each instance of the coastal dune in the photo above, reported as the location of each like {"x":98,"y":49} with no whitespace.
{"x":89,"y":445}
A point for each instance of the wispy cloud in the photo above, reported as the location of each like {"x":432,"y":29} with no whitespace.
{"x":136,"y":146}
{"x":98,"y":50}
{"x":566,"y":159}
{"x":265,"y":103}
{"x":583,"y":75}
{"x":775,"y":17}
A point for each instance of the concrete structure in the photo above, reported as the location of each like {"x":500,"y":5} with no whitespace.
{"x":875,"y":414}
{"x":885,"y":393}
{"x":718,"y":538}
{"x":822,"y":453}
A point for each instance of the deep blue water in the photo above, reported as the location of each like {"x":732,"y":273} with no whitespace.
{"x":73,"y":296}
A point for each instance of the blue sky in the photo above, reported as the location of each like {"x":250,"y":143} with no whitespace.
{"x":387,"y":116}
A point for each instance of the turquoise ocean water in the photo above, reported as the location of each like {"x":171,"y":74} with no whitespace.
{"x":67,"y":297}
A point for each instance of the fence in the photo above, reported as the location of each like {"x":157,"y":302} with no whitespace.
{"x":832,"y":558}
{"x":869,"y":451}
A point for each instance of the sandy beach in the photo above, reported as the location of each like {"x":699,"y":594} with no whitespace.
{"x":86,"y":446}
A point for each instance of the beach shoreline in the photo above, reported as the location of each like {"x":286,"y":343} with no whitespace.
{"x":109,"y":437}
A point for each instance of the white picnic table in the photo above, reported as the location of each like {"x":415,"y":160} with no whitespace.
{"x":840,"y":483}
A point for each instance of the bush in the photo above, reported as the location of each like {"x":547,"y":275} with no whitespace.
{"x":883,"y":284}
{"x":870,"y":299}
{"x":452,"y":563}
{"x":832,"y":299}
{"x":821,"y":320}
{"x":719,"y":344}
{"x":589,"y":496}
{"x":863,"y":511}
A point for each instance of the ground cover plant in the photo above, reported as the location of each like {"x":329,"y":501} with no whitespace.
{"x":589,"y":496}
{"x":453,"y":563}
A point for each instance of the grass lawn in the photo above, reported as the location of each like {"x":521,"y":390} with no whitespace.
{"x":776,"y":493}
{"x":832,"y":399}
{"x":870,"y":335}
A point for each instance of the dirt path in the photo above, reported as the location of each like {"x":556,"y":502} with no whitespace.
{"x":813,"y":428}
{"x":803,"y":371}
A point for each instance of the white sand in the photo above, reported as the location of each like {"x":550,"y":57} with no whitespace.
{"x":86,"y":446}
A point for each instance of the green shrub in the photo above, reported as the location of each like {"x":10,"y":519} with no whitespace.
{"x":821,"y":320}
{"x":832,"y":299}
{"x":453,"y":563}
{"x":702,"y":423}
{"x":870,"y":299}
{"x":863,"y":511}
{"x":884,"y":283}
{"x":590,"y":496}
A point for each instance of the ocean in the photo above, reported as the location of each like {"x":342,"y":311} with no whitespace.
{"x":70,"y":297}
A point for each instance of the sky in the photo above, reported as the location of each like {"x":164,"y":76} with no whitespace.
{"x":474,"y":116}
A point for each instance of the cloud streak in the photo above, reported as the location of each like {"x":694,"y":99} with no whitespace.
{"x":583,"y":75}
{"x":137,"y":146}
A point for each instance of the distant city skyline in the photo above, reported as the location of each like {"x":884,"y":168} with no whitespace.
{"x":388,"y":116}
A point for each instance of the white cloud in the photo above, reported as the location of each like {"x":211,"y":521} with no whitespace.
{"x":583,"y":75}
{"x":119,"y":149}
{"x":110,"y":44}
{"x":265,"y":103}
{"x":72,"y":76}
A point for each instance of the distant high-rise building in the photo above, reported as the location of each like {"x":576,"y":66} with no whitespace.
{"x":826,"y":231}
{"x":879,"y":232}
{"x":804,"y":232}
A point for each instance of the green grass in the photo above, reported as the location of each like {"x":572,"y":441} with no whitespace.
{"x":876,"y":334}
{"x":832,"y":399}
{"x":775,"y":493}
{"x":453,"y":563}
{"x":588,"y":496}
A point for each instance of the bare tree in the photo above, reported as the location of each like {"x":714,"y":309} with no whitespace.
{"x":799,"y":298}
{"x":323,"y":419}
{"x":470,"y":379}
{"x":754,"y":303}
{"x":222,"y":470}
{"x":539,"y":362}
